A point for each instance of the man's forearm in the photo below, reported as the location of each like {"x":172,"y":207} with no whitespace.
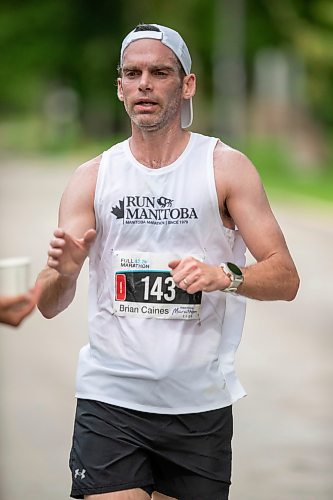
{"x":57,"y":292}
{"x":272,"y":279}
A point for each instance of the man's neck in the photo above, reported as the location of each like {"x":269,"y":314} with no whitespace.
{"x":159,"y":148}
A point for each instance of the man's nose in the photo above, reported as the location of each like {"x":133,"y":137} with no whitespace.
{"x":145,"y":82}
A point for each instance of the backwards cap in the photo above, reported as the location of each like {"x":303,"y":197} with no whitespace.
{"x":173,"y":41}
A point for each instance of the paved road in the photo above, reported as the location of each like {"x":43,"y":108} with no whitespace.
{"x":283,"y":445}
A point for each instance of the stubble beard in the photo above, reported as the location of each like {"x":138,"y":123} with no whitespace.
{"x":159,"y":120}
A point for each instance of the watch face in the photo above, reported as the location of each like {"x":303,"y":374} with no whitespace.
{"x":235,"y":269}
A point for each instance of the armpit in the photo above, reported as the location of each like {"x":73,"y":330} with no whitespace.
{"x":226,"y":217}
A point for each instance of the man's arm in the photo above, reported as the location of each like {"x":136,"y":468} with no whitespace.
{"x":274,"y":275}
{"x":71,"y":243}
{"x":243,"y":203}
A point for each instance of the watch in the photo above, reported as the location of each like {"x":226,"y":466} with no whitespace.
{"x":234,"y":273}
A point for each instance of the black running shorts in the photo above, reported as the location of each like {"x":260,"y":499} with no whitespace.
{"x":187,"y":457}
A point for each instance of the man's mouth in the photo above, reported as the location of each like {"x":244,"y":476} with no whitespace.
{"x":144,"y":103}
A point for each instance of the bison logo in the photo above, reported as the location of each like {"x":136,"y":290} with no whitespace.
{"x":164,"y":202}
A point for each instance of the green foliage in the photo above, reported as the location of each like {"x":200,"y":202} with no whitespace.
{"x":306,"y":27}
{"x":32,"y":46}
{"x":76,"y":43}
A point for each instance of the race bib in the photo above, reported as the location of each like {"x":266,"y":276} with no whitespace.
{"x":145,"y":288}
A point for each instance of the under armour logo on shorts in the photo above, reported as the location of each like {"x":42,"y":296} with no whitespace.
{"x":81,"y":474}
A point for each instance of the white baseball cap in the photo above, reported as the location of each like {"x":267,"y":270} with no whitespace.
{"x":175,"y":42}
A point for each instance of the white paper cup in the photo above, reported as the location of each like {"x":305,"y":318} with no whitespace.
{"x":14,"y":275}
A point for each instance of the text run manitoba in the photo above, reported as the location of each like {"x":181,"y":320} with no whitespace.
{"x":144,"y":208}
{"x":161,"y":213}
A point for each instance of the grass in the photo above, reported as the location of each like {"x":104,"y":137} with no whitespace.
{"x":283,"y":176}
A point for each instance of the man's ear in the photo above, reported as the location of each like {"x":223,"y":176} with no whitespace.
{"x":189,"y":86}
{"x":120,"y":93}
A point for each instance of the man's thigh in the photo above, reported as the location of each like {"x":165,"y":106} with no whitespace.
{"x":159,"y":496}
{"x":195,"y":458}
{"x":190,"y":457}
{"x":133,"y":494}
{"x":105,"y":461}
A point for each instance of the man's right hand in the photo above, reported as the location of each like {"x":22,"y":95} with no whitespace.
{"x":67,"y":253}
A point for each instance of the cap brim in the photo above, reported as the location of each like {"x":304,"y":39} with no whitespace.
{"x":186,"y":113}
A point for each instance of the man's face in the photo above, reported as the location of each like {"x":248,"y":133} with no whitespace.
{"x":150,"y":86}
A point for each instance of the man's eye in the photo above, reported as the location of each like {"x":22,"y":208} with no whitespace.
{"x":131,"y":74}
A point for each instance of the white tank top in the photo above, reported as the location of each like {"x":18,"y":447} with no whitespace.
{"x":153,"y":347}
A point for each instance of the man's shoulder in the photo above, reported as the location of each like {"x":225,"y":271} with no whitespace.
{"x":90,"y":168}
{"x":224,"y":152}
{"x":86,"y":174}
{"x":92,"y":164}
{"x":233,"y":170}
{"x":228,"y":158}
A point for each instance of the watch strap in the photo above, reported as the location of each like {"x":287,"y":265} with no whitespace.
{"x":236,"y":279}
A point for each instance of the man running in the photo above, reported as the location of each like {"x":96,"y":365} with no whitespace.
{"x":165,"y":217}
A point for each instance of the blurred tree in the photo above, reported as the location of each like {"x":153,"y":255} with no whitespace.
{"x":75,"y":43}
{"x":33,"y":44}
{"x":306,"y":26}
{"x":229,"y":69}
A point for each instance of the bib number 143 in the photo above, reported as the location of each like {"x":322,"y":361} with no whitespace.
{"x":162,"y":289}
{"x":154,"y":287}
